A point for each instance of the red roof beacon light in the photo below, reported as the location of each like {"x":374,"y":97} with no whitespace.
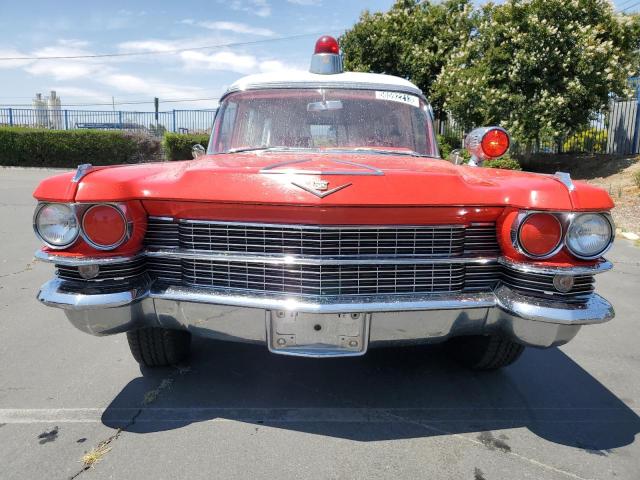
{"x":327,"y":44}
{"x":326,"y":59}
{"x":486,"y":143}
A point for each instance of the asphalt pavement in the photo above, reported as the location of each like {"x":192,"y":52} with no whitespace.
{"x":237,"y":411}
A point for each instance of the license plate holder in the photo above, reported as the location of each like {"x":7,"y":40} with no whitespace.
{"x":318,"y":334}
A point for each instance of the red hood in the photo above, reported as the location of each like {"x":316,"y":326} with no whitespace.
{"x":377,"y":180}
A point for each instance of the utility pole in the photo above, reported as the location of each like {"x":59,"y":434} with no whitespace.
{"x":113,"y":103}
{"x":156,"y":103}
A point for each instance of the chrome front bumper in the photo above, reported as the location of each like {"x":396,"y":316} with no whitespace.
{"x":412,"y":319}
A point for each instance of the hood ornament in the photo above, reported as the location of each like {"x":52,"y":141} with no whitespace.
{"x":320,"y":188}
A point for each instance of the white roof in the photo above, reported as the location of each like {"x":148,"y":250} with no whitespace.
{"x":292,"y":79}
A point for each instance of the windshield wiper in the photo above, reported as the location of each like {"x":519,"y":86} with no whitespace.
{"x":388,"y":152}
{"x":257,"y":149}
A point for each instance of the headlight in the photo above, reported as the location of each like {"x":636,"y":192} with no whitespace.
{"x":589,"y":235}
{"x":56,"y":225}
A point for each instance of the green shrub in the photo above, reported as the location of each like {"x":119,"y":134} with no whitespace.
{"x":447,"y":143}
{"x":30,"y":147}
{"x":636,"y":179}
{"x":177,"y":146}
{"x":444,"y":146}
{"x":505,"y":162}
{"x":588,"y":140}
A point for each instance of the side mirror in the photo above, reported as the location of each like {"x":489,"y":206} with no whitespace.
{"x":486,"y":143}
{"x":197,"y":151}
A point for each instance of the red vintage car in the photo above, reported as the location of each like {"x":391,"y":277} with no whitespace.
{"x":321,"y":221}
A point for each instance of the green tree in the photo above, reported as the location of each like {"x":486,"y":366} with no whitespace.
{"x":412,"y":40}
{"x":539,"y":68}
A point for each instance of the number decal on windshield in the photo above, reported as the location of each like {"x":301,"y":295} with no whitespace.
{"x":398,"y":97}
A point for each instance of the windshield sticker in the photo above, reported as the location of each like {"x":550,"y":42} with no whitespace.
{"x":398,"y":97}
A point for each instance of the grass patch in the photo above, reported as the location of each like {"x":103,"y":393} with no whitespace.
{"x":96,"y":454}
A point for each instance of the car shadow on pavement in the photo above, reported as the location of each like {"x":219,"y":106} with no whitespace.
{"x":390,"y":393}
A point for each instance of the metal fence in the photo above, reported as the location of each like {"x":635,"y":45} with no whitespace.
{"x":179,"y":121}
{"x":612,"y":131}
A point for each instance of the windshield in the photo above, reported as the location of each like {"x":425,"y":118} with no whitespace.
{"x":323,"y":119}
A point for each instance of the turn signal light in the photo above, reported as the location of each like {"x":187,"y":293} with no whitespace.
{"x":104,"y":227}
{"x":540,"y":234}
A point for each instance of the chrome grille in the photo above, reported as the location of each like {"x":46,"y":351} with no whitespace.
{"x":161,"y":233}
{"x":542,"y":285}
{"x":436,"y":241}
{"x":419,"y":241}
{"x":116,"y":272}
{"x":325,"y":279}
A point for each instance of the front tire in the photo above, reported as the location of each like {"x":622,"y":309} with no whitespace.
{"x":489,"y":352}
{"x":159,"y":347}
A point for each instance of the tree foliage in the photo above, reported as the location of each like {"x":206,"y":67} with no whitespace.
{"x":412,"y":40}
{"x":540,"y":68}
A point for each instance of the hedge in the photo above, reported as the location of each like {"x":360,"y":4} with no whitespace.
{"x":28,"y":147}
{"x":177,"y":146}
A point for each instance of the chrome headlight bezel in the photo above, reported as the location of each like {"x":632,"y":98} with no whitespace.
{"x":574,"y":223}
{"x":72,"y":215}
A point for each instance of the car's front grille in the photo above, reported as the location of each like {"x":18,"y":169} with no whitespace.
{"x":325,"y":279}
{"x":337,"y":260}
{"x":323,"y":241}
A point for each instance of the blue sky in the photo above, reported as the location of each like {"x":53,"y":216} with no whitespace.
{"x":62,"y":28}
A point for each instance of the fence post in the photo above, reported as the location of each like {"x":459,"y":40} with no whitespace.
{"x":120,"y":117}
{"x":174,"y":121}
{"x":66,"y":119}
{"x":10,"y":117}
{"x":634,"y":147}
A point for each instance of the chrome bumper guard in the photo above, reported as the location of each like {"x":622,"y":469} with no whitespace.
{"x":395,"y":319}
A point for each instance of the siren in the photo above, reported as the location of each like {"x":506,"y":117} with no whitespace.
{"x":326,"y":59}
{"x":486,"y":143}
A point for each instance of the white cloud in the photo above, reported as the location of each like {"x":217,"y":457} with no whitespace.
{"x":146,"y":46}
{"x":233,"y":62}
{"x":226,"y":61}
{"x":63,"y":69}
{"x":234,"y":27}
{"x":12,"y":53}
{"x":66,"y":92}
{"x":261,"y":8}
{"x":134,"y":84}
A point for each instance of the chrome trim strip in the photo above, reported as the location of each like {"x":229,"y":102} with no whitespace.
{"x":601,"y":267}
{"x":370,"y":171}
{"x":326,"y":84}
{"x":326,"y":227}
{"x":565,"y":178}
{"x":81,"y":172}
{"x":276,"y":259}
{"x":391,"y":303}
{"x":79,"y":261}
